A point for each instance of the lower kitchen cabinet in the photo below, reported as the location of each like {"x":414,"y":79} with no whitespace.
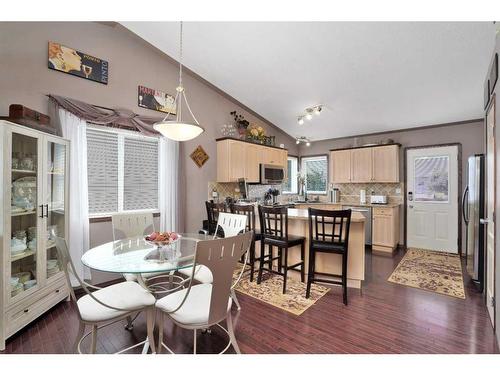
{"x":385,"y":229}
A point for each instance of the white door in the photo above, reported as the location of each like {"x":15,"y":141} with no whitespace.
{"x":490,"y":206}
{"x":432,"y":198}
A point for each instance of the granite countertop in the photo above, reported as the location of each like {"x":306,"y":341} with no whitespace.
{"x":303,"y":214}
{"x":357,"y":204}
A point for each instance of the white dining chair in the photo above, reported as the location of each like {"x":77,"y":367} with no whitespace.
{"x":201,"y":306}
{"x":231,"y":225}
{"x":105,"y":306}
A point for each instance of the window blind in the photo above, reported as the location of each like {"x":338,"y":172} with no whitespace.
{"x":102,"y":171}
{"x":140,"y":176}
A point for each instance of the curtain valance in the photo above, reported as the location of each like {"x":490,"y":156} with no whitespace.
{"x":117,"y":118}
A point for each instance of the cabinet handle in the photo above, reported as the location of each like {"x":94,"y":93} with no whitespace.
{"x":41,"y":211}
{"x":46,"y":210}
{"x":57,"y":290}
{"x":26,"y":310}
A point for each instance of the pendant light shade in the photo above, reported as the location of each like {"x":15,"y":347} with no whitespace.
{"x":179,"y":129}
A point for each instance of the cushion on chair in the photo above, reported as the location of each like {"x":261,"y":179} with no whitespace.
{"x":195,"y":309}
{"x":202,"y":274}
{"x":126,"y":295}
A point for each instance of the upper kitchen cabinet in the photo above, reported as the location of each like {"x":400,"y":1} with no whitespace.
{"x":386,"y":163}
{"x":240,"y":159}
{"x":340,"y":166}
{"x":366,"y":164}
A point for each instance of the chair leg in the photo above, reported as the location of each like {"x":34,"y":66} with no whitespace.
{"x":285,"y":270}
{"x":310,"y":275}
{"x":150,"y":322}
{"x":235,"y":299}
{"x":252,"y":260}
{"x":130,"y":324}
{"x":280,"y":259}
{"x":160,"y":334}
{"x":261,"y":263}
{"x":79,"y":335}
{"x":194,"y":342}
{"x":344,"y":278}
{"x":232,"y":337}
{"x":93,"y":345}
{"x":302,"y":257}
{"x":271,"y":261}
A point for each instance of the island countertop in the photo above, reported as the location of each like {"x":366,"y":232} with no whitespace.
{"x":303,"y":214}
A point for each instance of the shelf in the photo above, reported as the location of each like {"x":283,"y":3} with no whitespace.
{"x":22,"y":255}
{"x":23,"y":171}
{"x":24,"y":213}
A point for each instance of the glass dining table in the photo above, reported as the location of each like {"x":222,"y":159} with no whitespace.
{"x":136,"y":256}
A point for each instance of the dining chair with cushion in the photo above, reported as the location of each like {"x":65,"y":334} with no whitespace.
{"x":328,"y":233}
{"x":201,"y":306}
{"x":104,"y":306}
{"x":249,"y":211}
{"x":228,"y":225}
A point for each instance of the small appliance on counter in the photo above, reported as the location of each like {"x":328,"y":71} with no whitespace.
{"x":362,"y":196}
{"x":335,"y":195}
{"x":378,"y":199}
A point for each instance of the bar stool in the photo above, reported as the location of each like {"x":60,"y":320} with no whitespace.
{"x":328,"y":233}
{"x":249,"y":211}
{"x":274,"y":229}
{"x":213,"y":210}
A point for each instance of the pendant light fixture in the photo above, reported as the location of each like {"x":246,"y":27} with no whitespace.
{"x":179,"y":129}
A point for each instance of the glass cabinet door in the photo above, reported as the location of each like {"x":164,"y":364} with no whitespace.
{"x":24,"y":206}
{"x":55,"y":210}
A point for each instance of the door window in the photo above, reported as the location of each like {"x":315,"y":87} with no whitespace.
{"x":431,"y":179}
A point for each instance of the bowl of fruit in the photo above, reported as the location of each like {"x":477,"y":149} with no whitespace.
{"x":161,"y":239}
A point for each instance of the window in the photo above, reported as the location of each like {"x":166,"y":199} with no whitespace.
{"x":431,"y":179}
{"x":290,"y":185}
{"x":315,"y":170}
{"x":122,"y":169}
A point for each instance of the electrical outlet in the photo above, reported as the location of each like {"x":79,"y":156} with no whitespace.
{"x":398,"y":191}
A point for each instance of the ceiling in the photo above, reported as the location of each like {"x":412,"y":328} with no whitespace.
{"x":371,"y":76}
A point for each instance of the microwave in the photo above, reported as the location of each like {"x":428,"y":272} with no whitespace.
{"x":271,"y":174}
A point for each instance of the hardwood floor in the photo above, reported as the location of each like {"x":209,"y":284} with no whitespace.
{"x":386,"y":318}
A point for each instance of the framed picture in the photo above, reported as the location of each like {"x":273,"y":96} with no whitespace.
{"x":494,"y":73}
{"x":76,"y":63}
{"x":156,"y":100}
{"x":199,"y":156}
{"x":486,"y":93}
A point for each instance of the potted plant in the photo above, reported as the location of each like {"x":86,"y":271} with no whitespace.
{"x":241,"y":123}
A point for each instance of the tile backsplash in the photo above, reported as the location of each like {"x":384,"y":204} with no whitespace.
{"x":231,"y":189}
{"x":350,"y":192}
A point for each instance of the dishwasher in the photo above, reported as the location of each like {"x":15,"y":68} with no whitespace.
{"x":367,"y":213}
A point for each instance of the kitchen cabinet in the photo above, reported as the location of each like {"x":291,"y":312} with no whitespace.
{"x":361,"y":165}
{"x":366,"y":164}
{"x":385,"y":167}
{"x":385,"y":229}
{"x":34,"y":173}
{"x":340,"y":166}
{"x":240,"y":159}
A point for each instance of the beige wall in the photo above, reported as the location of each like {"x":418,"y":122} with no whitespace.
{"x":25,"y":79}
{"x":470,"y":135}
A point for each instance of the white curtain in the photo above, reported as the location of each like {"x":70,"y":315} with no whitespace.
{"x":75,"y":130}
{"x":168,"y":184}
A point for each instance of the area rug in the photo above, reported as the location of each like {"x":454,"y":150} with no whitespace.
{"x":430,"y":270}
{"x":271,"y":288}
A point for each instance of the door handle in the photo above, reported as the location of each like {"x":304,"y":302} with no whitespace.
{"x":46,"y":210}
{"x":410,"y":206}
{"x":485,"y":221}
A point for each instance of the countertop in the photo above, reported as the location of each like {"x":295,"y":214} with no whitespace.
{"x":303,"y":214}
{"x":390,"y":205}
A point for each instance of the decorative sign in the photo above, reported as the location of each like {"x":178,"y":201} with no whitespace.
{"x":156,"y":100}
{"x":71,"y":61}
{"x":199,"y":156}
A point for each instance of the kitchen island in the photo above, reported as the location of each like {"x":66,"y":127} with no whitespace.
{"x":298,"y":224}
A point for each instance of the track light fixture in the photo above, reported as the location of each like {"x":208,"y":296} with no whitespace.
{"x":308,"y":113}
{"x":303,"y":139}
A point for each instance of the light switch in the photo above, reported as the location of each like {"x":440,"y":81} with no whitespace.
{"x":398,"y":191}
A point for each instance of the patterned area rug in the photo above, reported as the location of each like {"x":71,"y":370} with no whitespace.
{"x":271,"y":288}
{"x":430,"y":270}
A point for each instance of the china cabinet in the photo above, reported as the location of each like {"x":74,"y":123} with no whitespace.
{"x":34,"y":209}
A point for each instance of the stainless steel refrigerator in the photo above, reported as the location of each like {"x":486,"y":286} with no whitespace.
{"x":473,"y":211}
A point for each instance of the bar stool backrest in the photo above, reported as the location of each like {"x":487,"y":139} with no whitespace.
{"x":249,"y":211}
{"x":274,"y":222}
{"x":329,"y":225}
{"x":132,"y":225}
{"x":213,"y":210}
